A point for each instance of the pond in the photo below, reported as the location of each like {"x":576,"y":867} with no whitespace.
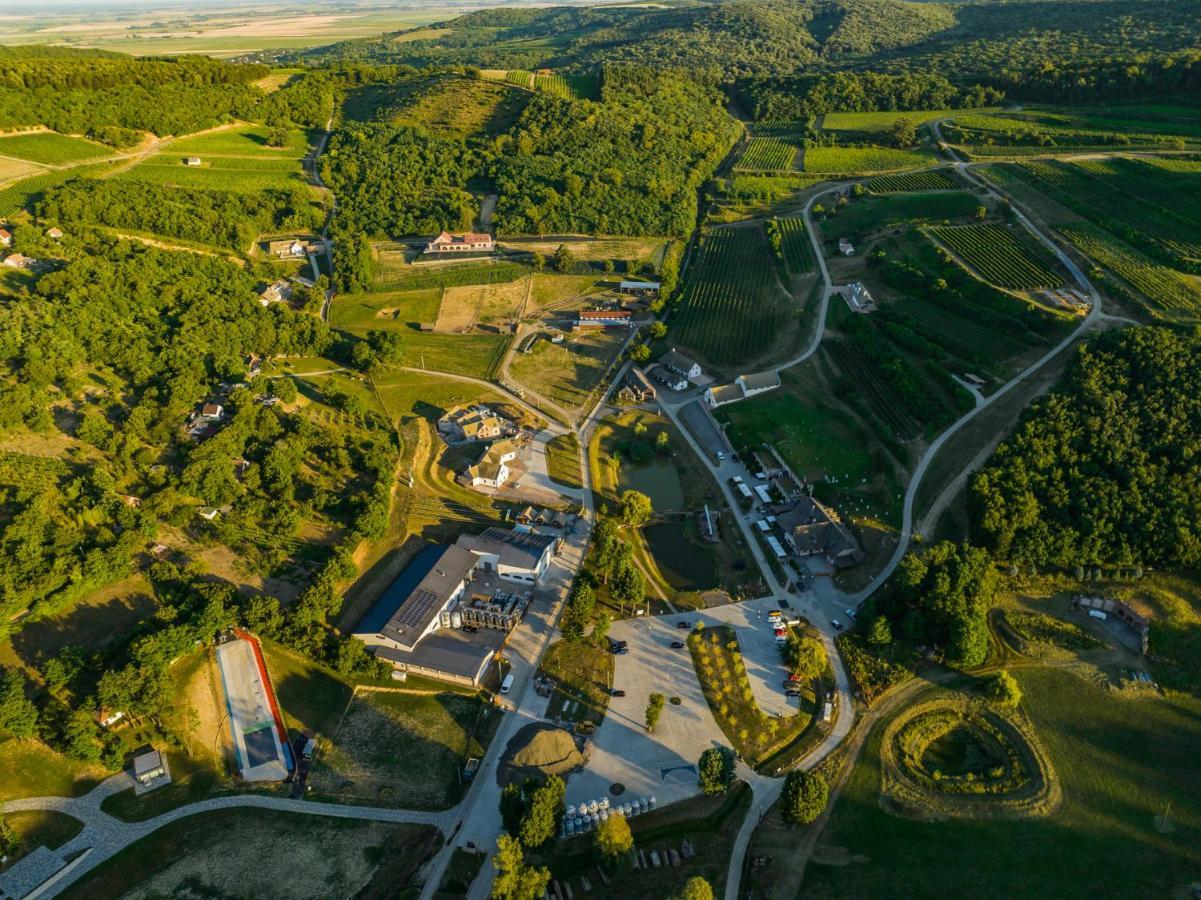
{"x":659,"y":480}
{"x":686,"y":566}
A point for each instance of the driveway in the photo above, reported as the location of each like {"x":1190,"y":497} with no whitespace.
{"x":702,"y":426}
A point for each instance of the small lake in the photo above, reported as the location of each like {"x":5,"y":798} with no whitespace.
{"x":659,"y":480}
{"x":686,"y":566}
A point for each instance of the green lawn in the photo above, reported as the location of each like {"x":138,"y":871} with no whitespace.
{"x":219,"y":173}
{"x":40,"y":828}
{"x":568,"y":373}
{"x":1122,"y":763}
{"x":241,"y":140}
{"x":563,"y":459}
{"x":583,"y":677}
{"x":50,"y":148}
{"x":311,"y":697}
{"x":871,"y":214}
{"x":28,"y":768}
{"x":881,"y":121}
{"x":361,"y":312}
{"x":476,"y":355}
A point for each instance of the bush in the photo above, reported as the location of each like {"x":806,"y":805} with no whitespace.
{"x":805,"y":797}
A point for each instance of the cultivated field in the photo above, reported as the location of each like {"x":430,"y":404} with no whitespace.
{"x":477,"y":355}
{"x":863,"y":160}
{"x":733,"y":307}
{"x":464,"y":306}
{"x":768,"y":154}
{"x":796,"y":246}
{"x":993,"y":252}
{"x":240,"y":140}
{"x":51,"y":149}
{"x":932,"y":180}
{"x":222,"y":173}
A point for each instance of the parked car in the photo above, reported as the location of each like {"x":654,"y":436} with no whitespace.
{"x":789,"y":686}
{"x":794,"y":679}
{"x":683,"y":624}
{"x":851,"y":614}
{"x":781,"y":632}
{"x":792,"y":693}
{"x":836,"y":624}
{"x":721,"y":456}
{"x":618,"y":693}
{"x":677,"y":645}
{"x":470,"y":629}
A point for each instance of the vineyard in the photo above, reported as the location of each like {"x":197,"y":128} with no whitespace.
{"x":1150,"y":206}
{"x":996,"y":254}
{"x":851,"y":160}
{"x":883,"y":402}
{"x":932,"y":180}
{"x":767,"y":154}
{"x":1047,"y":131}
{"x":781,"y":128}
{"x":959,"y":335}
{"x":18,"y":196}
{"x":732,"y":307}
{"x":569,"y":87}
{"x":1171,"y":294}
{"x":796,"y":246}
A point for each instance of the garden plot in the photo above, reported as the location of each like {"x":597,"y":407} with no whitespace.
{"x":401,"y":748}
{"x":463,"y":307}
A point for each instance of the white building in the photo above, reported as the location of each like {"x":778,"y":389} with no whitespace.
{"x":680,"y":364}
{"x":513,"y":555}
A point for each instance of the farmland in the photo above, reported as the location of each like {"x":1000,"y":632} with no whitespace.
{"x":360,"y":312}
{"x":567,"y":373}
{"x":996,"y":254}
{"x":476,"y":355}
{"x":51,"y":149}
{"x":880,"y":122}
{"x":869,"y":215}
{"x":768,"y":154}
{"x":569,"y":87}
{"x":733,"y":307}
{"x":247,"y":175}
{"x":239,"y":140}
{"x":796,"y":246}
{"x":930,"y":180}
{"x":863,"y":160}
{"x":17,"y":196}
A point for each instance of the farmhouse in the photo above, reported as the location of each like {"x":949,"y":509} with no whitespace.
{"x":811,"y":529}
{"x":606,"y":318}
{"x":744,"y":386}
{"x":471,"y":242}
{"x":680,"y":364}
{"x":20,"y":261}
{"x":287,"y":249}
{"x":491,"y":467}
{"x":648,"y":289}
{"x":636,"y":388}
{"x":477,"y":422}
{"x":845,"y":247}
{"x":667,"y":377}
{"x":6,"y":238}
{"x":276,"y":292}
{"x":54,"y":233}
{"x":192,"y":161}
{"x":212,"y":412}
{"x":859,"y":299}
{"x":512,"y":555}
{"x":150,"y":770}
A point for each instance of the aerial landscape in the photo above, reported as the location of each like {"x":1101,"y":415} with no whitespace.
{"x":693,"y":449}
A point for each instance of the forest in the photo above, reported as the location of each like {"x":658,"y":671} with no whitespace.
{"x":1103,"y":471}
{"x":802,"y":97}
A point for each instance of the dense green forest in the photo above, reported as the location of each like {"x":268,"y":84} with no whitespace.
{"x":802,"y":97}
{"x":1104,"y":471}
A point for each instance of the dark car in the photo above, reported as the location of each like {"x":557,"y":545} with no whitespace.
{"x":683,"y":624}
{"x":470,"y":629}
{"x":618,"y":693}
{"x":677,"y":645}
{"x":792,"y":693}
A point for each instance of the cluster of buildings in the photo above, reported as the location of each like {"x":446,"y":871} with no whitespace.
{"x":474,"y":422}
{"x":452,"y":609}
{"x":488,"y":467}
{"x":741,"y":387}
{"x":858,"y":297}
{"x":291,"y":248}
{"x":492,"y":439}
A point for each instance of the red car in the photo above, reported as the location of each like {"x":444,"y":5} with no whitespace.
{"x":780,"y":632}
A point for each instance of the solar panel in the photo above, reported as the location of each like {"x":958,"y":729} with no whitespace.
{"x":416,"y":611}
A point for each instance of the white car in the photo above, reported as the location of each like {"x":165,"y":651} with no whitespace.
{"x":851,"y":614}
{"x":836,"y":624}
{"x":721,"y":457}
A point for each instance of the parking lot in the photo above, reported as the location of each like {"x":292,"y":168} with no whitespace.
{"x":662,"y":764}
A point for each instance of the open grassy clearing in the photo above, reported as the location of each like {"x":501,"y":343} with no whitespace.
{"x":403,"y":748}
{"x":467,"y":305}
{"x":1128,"y":824}
{"x":476,"y":355}
{"x":364,"y":859}
{"x":568,"y":373}
{"x":51,"y":149}
{"x":396,"y":270}
{"x":459,"y":107}
{"x":29,"y":768}
{"x":40,"y":828}
{"x":727,"y":688}
{"x":592,"y":249}
{"x":15,"y":169}
{"x":993,"y":252}
{"x":863,"y":160}
{"x":360,"y":313}
{"x":554,"y":290}
{"x":880,"y":122}
{"x":563,"y":459}
{"x":239,"y":140}
{"x":582,"y":674}
{"x":733,"y":307}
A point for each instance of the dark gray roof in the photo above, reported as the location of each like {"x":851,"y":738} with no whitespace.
{"x":677,"y":362}
{"x":415,"y":612}
{"x":520,"y":549}
{"x":449,"y":651}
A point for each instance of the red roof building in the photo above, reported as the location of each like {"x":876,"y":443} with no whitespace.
{"x":471,"y":242}
{"x":609,"y":318}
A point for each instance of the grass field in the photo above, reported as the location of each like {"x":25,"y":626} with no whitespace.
{"x":390,"y":309}
{"x":998,"y":256}
{"x":880,"y":122}
{"x":177,"y":860}
{"x":568,"y":373}
{"x":38,"y":828}
{"x":592,"y":249}
{"x":31,"y":769}
{"x":402,"y":748}
{"x":873,"y":214}
{"x":1128,"y":826}
{"x":863,"y":160}
{"x":477,"y":355}
{"x":733,"y":307}
{"x":222,"y":173}
{"x":51,"y":149}
{"x":459,"y":107}
{"x":563,"y":459}
{"x":466,"y":305}
{"x":583,"y":676}
{"x":239,"y":140}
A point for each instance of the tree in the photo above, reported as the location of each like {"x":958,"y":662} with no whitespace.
{"x":695,"y":888}
{"x":635,"y":507}
{"x":563,"y":259}
{"x":903,"y":132}
{"x":879,"y":633}
{"x":628,"y":586}
{"x":541,"y":821}
{"x":805,"y":796}
{"x":514,"y":879}
{"x":806,"y":656}
{"x":538,"y":261}
{"x":1003,"y":690}
{"x":658,"y":330}
{"x":613,"y":837}
{"x":968,"y":644}
{"x":284,"y":389}
{"x":10,"y":841}
{"x":18,"y":715}
{"x":981,"y":212}
{"x":640,"y":353}
{"x":654,"y":709}
{"x":663,"y":442}
{"x":715,"y":770}
{"x":600,"y":631}
{"x":512,"y":807}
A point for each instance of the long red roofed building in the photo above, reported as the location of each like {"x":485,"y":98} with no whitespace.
{"x":471,"y":242}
